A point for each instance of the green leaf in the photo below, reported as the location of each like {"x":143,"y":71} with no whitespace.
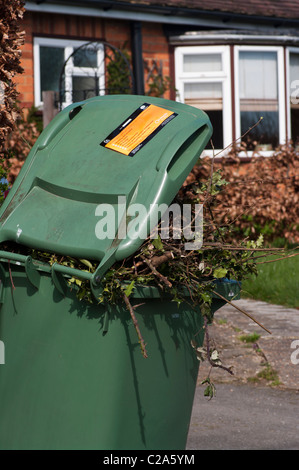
{"x":87,"y":263}
{"x":260,"y":241}
{"x":210,"y":390}
{"x":129,"y":289}
{"x":157,"y":242}
{"x":219,"y":272}
{"x":206,"y":297}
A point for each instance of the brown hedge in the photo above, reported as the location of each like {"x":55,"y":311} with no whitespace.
{"x":262,"y":194}
{"x":11,"y":40}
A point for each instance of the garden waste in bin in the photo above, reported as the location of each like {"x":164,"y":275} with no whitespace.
{"x":65,"y":384}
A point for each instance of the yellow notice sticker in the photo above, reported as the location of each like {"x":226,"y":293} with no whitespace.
{"x":138,"y":129}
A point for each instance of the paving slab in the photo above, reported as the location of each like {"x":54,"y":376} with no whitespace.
{"x":258,"y":406}
{"x":278,"y":350}
{"x":245,"y":417}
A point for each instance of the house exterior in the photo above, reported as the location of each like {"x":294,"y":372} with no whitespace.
{"x":236,"y":60}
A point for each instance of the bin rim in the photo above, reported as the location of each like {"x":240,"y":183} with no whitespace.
{"x":150,"y":291}
{"x":60,"y":273}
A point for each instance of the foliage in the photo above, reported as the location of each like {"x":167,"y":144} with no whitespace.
{"x":268,"y":374}
{"x":210,"y":390}
{"x":4,"y":185}
{"x":250,"y":338}
{"x":118,"y":72}
{"x":18,"y":143}
{"x":156,"y":83}
{"x":11,"y":39}
{"x":261,"y":195}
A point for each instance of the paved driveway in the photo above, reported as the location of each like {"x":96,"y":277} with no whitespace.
{"x":249,"y":412}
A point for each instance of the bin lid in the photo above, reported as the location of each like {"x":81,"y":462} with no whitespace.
{"x":92,"y":168}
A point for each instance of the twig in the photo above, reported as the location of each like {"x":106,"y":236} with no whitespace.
{"x":241,"y":310}
{"x":159,"y":275}
{"x":266,"y":255}
{"x":26,"y":142}
{"x":10,"y":275}
{"x":277,"y":259}
{"x":240,"y":138}
{"x":157,"y":260}
{"x":213,"y":363}
{"x":135,"y":322}
{"x":237,"y":248}
{"x":211,"y":174}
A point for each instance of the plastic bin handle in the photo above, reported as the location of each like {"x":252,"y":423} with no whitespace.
{"x":179,"y":140}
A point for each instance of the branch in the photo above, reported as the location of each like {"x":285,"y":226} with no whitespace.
{"x":207,"y":246}
{"x":241,"y":310}
{"x":159,"y":275}
{"x":135,"y":322}
{"x":213,"y":363}
{"x":157,"y":260}
{"x":277,"y":259}
{"x":240,"y":138}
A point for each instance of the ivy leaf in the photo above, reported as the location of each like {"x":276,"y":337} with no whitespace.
{"x":215,"y":356}
{"x":219,"y":272}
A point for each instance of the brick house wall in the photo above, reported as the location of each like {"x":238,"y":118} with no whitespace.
{"x":229,"y":37}
{"x":115,"y":32}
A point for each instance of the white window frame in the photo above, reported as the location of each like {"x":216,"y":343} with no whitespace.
{"x":223,"y":77}
{"x":289,"y":91}
{"x":280,"y":91}
{"x":69,"y":45}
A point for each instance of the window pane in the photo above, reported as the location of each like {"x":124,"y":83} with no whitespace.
{"x":51,"y":64}
{"x":294,"y":96}
{"x":202,"y":63}
{"x":294,"y":67}
{"x":85,"y":57}
{"x":258,"y":75}
{"x":84,"y":88}
{"x":258,"y":88}
{"x":208,"y":97}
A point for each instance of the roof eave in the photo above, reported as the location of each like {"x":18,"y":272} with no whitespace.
{"x":178,"y":12}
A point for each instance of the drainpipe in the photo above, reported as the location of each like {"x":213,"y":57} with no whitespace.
{"x":137,"y":59}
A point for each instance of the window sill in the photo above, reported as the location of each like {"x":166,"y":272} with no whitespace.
{"x":243,"y":155}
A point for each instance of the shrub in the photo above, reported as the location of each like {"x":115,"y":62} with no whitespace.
{"x":18,"y":144}
{"x":11,"y":39}
{"x":261,"y":196}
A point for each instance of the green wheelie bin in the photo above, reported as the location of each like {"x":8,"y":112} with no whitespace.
{"x":73,"y":376}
